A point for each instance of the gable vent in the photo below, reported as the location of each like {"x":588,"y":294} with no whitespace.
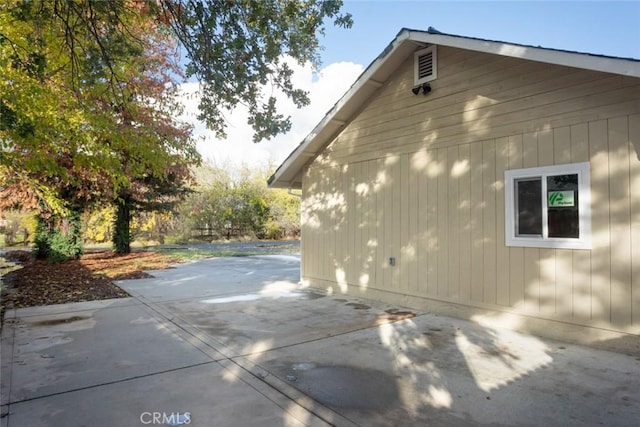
{"x":425,"y":63}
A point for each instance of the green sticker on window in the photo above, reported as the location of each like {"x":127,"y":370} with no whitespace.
{"x":560,"y":199}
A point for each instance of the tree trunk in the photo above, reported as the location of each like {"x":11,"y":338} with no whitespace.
{"x":76,"y":242}
{"x":121,"y":229}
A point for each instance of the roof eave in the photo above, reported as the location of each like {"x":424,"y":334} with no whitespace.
{"x":371,"y":79}
{"x":607,"y":64}
{"x":289,"y":174}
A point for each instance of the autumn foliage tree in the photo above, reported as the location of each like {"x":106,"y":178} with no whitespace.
{"x":109,"y":124}
{"x":87,"y":89}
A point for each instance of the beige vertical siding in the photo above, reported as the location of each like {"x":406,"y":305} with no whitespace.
{"x":620,"y":220}
{"x":600,"y":222}
{"x":421,"y":179}
{"x":634,"y":174}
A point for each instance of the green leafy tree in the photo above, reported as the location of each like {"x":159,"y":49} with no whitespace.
{"x":223,"y":206}
{"x":284,"y":214}
{"x":235,"y":49}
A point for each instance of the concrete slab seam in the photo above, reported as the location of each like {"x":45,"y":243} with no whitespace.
{"x":281,"y":387}
{"x":185,"y":332}
{"x":120,"y":381}
{"x":293,"y":394}
{"x":227,"y":359}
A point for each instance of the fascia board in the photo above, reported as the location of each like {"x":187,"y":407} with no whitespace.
{"x":622,"y":66}
{"x":369,"y":81}
{"x":380,"y":69}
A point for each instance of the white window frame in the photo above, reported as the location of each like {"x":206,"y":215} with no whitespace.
{"x":584,"y":207}
{"x":416,"y":65}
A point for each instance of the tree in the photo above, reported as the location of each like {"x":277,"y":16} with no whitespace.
{"x":235,"y":49}
{"x":53,"y":123}
{"x":110,"y":123}
{"x":284,"y":214}
{"x":86,"y":91}
{"x":149,"y":193}
{"x":241,"y":205}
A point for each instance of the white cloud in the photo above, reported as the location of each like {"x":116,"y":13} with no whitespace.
{"x":325,"y":88}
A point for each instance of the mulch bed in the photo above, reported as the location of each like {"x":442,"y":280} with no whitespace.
{"x":87,"y":279}
{"x":42,"y":283}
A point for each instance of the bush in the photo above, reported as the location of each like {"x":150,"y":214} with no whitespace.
{"x":41,"y":250}
{"x":273,"y":231}
{"x":63,"y":247}
{"x":57,"y":246}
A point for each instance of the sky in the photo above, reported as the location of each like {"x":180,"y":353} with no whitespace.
{"x":606,"y":27}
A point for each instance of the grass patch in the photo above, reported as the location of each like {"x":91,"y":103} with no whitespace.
{"x":186,"y":254}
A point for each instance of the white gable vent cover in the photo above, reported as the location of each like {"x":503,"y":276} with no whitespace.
{"x":426,"y":65}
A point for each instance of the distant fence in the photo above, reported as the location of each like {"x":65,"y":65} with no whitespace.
{"x":211,"y":234}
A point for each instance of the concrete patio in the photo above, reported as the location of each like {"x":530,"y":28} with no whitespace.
{"x":237,"y":341}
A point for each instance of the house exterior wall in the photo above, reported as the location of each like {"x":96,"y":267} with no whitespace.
{"x":421,"y":179}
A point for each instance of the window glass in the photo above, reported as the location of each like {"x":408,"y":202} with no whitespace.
{"x":548,"y":206}
{"x":529,"y":207}
{"x":562,"y":206}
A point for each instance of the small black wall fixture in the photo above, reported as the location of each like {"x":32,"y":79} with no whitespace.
{"x":425,"y":87}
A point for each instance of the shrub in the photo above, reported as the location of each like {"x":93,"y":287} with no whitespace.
{"x":57,"y":246}
{"x":63,"y":247}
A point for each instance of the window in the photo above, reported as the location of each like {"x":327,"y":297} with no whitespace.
{"x":425,"y":65}
{"x":548,"y":207}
